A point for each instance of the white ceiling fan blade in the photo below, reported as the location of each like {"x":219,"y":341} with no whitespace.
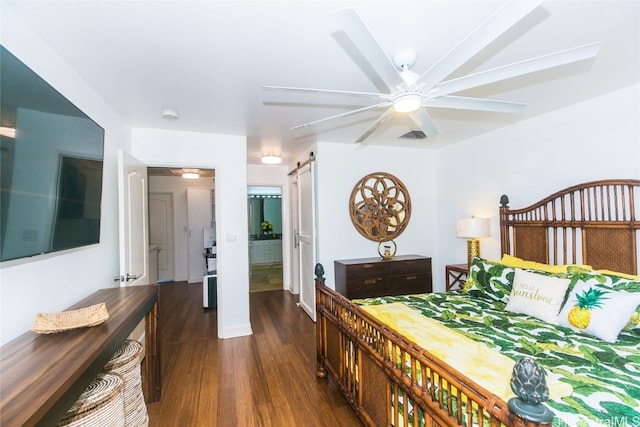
{"x":348,"y":113}
{"x":355,"y":28}
{"x":517,"y":69}
{"x":329,"y":91}
{"x":371,"y":129}
{"x":422,"y":119}
{"x":477,"y":104}
{"x":503,"y":19}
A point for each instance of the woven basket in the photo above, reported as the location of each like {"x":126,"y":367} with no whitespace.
{"x":51,"y":323}
{"x":101,"y":404}
{"x":125,"y":362}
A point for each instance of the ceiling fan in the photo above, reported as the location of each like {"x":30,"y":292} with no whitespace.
{"x":411,"y":93}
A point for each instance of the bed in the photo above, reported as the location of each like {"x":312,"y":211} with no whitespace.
{"x":451,"y":358}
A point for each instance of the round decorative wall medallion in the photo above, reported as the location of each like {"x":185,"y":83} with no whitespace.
{"x":380,"y":207}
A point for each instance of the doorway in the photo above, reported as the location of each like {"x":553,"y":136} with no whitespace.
{"x":264,"y":208}
{"x":180,"y":211}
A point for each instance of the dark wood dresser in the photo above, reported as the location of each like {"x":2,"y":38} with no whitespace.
{"x":372,"y":277}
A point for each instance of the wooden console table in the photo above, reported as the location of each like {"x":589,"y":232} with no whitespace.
{"x":41,"y":376}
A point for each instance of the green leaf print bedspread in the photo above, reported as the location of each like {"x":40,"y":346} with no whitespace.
{"x":605,"y":377}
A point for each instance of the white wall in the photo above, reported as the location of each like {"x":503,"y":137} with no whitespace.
{"x":596,"y":139}
{"x":227,"y":154}
{"x":177,"y":187}
{"x":340,"y":167}
{"x":53,"y":282}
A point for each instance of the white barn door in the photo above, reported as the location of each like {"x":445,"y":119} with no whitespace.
{"x":307,"y":237}
{"x":294,"y":209}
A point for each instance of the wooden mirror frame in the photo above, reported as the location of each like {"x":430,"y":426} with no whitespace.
{"x":380,"y":207}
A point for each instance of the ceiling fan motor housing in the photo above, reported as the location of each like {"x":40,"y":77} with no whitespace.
{"x":404,"y":59}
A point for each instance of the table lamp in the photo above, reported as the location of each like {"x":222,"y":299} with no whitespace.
{"x":472,"y":229}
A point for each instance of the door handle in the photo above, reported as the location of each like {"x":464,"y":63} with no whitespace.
{"x":296,"y":238}
{"x":126,"y":278}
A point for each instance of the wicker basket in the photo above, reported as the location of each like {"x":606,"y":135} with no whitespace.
{"x":101,"y":404}
{"x":126,"y":363}
{"x":51,"y":323}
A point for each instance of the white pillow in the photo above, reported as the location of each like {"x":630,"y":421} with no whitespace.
{"x":609,"y":313}
{"x":537,"y":295}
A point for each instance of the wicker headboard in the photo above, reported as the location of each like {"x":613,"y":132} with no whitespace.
{"x":595,"y":223}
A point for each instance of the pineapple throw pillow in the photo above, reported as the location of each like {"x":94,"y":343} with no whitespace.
{"x":599,"y":311}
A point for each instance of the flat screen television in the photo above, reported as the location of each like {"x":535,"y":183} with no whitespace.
{"x":51,"y":156}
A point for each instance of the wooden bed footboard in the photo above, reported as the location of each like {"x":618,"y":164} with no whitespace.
{"x":364,"y":359}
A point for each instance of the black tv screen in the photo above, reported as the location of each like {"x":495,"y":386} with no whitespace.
{"x":51,"y":167}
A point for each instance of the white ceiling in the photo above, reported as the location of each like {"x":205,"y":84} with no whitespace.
{"x":209,"y":60}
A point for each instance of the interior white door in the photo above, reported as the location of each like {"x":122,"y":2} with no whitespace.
{"x":294,"y":286}
{"x":161,"y":235}
{"x":307,"y":238}
{"x":133,"y":221}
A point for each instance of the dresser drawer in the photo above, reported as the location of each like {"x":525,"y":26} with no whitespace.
{"x":383,"y":286}
{"x":372,"y":277}
{"x":410,"y":284}
{"x":410,"y":266}
{"x":369,"y":270}
{"x":366,"y":288}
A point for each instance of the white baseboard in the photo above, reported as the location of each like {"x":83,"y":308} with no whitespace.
{"x":238,"y":331}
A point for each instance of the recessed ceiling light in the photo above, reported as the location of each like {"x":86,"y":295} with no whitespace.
{"x":191,"y":173}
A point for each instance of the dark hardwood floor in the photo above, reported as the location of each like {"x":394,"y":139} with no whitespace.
{"x":266,"y":379}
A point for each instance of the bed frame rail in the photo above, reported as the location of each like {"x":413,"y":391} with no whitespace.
{"x":578,"y":225}
{"x":361,"y":354}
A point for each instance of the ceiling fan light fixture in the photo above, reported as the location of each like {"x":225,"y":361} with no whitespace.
{"x":407,"y":103}
{"x":271,"y":159}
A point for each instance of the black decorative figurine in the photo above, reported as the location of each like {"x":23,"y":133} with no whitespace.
{"x":528,"y":382}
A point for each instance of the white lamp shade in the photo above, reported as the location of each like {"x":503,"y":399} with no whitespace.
{"x":473,"y":228}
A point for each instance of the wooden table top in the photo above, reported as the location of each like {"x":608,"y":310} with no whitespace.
{"x":41,"y":376}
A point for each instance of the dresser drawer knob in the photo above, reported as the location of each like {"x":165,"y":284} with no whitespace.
{"x":412,"y":277}
{"x":370,"y":282}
